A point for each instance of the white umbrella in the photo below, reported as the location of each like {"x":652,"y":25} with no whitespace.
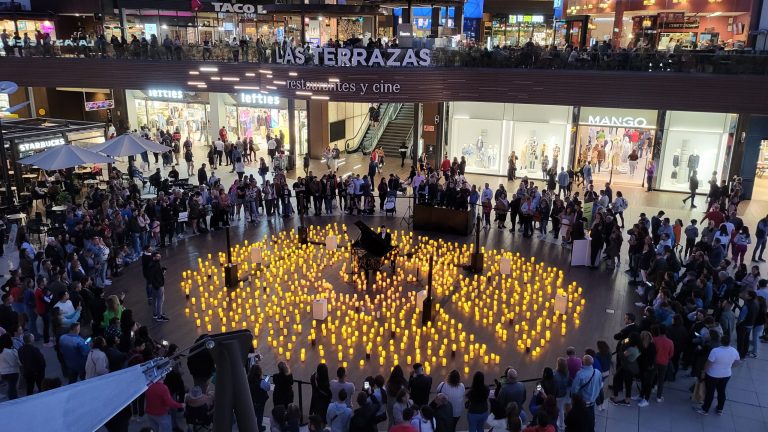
{"x":65,"y":156}
{"x":129,"y":145}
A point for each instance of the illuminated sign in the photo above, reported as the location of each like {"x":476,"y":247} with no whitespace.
{"x":259,"y":99}
{"x":99,"y":105}
{"x":356,"y":56}
{"x":41,"y":144}
{"x":526,"y":19}
{"x":616,"y":121}
{"x":234,"y":7}
{"x":165,"y":93}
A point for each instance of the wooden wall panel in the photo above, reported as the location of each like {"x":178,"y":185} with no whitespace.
{"x":673,"y":91}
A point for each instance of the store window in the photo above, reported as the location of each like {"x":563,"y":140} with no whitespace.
{"x":693,"y":141}
{"x":191,"y":119}
{"x":617,"y":143}
{"x":488,"y":134}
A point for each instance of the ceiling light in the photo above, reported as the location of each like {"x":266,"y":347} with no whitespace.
{"x":239,"y":87}
{"x":195,"y":83}
{"x":250,"y":74}
{"x":278,"y":82}
{"x":304,"y":93}
{"x":230,"y":79}
{"x":215,"y":78}
{"x":264,"y":71}
{"x":320,"y":97}
{"x":333,"y":80}
{"x":292,"y":73}
{"x":209,"y":69}
{"x":272,"y":87}
{"x":194,"y":73}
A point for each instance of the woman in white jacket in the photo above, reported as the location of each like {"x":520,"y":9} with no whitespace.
{"x":97,"y":363}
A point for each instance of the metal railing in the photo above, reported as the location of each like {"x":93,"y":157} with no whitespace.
{"x":710,"y":61}
{"x":390,"y":113}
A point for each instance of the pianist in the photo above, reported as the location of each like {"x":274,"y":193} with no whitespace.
{"x":386,"y":235}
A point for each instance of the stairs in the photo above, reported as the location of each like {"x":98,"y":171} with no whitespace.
{"x":396,"y":132}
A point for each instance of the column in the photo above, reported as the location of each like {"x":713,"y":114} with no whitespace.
{"x":618,"y":24}
{"x":458,"y":18}
{"x":319,"y":135}
{"x":217,"y":116}
{"x":435,"y":27}
{"x":658,"y":142}
{"x":291,"y":134}
{"x":416,"y":133}
{"x":303,"y":30}
{"x":407,"y":13}
{"x":746,"y":150}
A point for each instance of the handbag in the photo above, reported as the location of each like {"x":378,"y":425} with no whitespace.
{"x":699,"y":391}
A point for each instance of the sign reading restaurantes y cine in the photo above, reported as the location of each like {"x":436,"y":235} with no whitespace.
{"x":392,"y":57}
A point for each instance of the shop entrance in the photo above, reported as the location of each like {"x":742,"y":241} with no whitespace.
{"x":190,"y":119}
{"x":617,"y":154}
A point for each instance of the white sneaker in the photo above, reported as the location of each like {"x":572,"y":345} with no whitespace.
{"x":636,"y":398}
{"x":643,"y":403}
{"x":660,"y":399}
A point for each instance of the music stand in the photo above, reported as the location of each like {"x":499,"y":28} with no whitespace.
{"x":408,"y":214}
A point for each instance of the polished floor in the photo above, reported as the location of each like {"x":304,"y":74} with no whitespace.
{"x":607,"y":295}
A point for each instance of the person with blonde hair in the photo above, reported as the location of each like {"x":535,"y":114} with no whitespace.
{"x":114,"y":310}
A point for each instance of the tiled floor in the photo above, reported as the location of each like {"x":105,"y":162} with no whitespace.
{"x":747,"y":406}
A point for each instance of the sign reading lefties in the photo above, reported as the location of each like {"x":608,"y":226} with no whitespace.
{"x":391,"y":57}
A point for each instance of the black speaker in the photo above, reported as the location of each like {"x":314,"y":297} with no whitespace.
{"x":303,"y":235}
{"x":230,"y":276}
{"x":477,"y":263}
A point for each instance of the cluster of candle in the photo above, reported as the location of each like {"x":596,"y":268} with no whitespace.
{"x":379,"y":323}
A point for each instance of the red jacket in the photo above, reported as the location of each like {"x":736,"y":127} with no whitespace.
{"x":40,"y":305}
{"x":159,"y":400}
{"x":445,"y":165}
{"x":665,"y":349}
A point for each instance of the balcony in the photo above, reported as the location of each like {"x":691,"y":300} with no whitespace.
{"x":686,"y":81}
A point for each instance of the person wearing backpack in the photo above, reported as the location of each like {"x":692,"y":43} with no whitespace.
{"x":619,"y":205}
{"x":188,"y":158}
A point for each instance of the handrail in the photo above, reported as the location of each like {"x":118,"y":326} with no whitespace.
{"x":390,"y":113}
{"x":364,"y":125}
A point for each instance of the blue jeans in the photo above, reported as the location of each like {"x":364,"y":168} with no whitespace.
{"x":757,"y":331}
{"x":136,"y":237}
{"x":32,"y":315}
{"x":477,"y":421}
{"x":159,"y":297}
{"x":160,"y":423}
{"x":759,"y":246}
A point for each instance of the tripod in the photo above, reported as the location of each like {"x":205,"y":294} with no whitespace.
{"x":408,"y":214}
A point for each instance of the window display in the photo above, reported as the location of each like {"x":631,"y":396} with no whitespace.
{"x":692,"y":142}
{"x":486,"y":134}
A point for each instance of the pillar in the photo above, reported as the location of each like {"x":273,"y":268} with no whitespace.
{"x":751,"y":130}
{"x":304,"y":30}
{"x":435,"y":27}
{"x":319,"y":135}
{"x":618,"y":24}
{"x":458,"y":18}
{"x":217,"y":116}
{"x":658,"y":142}
{"x":291,"y":134}
{"x":407,"y":13}
{"x":416,"y":133}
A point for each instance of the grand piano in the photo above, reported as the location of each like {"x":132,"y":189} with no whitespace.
{"x":371,"y":251}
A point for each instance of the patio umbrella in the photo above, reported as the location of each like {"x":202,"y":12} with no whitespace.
{"x":65,"y":156}
{"x":128,"y":145}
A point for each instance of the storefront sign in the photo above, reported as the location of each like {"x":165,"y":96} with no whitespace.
{"x":165,"y":93}
{"x":41,"y":144}
{"x":537,"y":19}
{"x":356,"y":57}
{"x":688,"y":25}
{"x":99,"y":105}
{"x":233,"y":7}
{"x":616,"y":121}
{"x":362,"y":89}
{"x":259,"y":99}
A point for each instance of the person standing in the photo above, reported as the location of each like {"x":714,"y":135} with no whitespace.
{"x":693,"y":185}
{"x":477,"y":403}
{"x":717,"y":370}
{"x":158,"y":406}
{"x":74,"y":351}
{"x":650,"y":172}
{"x":32,"y":363}
{"x":10,"y":366}
{"x":339,"y":413}
{"x":588,"y":383}
{"x":341,"y":383}
{"x":761,"y":232}
{"x":453,"y":389}
{"x":665,"y":350}
{"x":745,"y":322}
{"x":420,"y":384}
{"x":403,"y":153}
{"x":156,"y":279}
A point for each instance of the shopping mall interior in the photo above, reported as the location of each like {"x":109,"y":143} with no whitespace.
{"x":453,"y":215}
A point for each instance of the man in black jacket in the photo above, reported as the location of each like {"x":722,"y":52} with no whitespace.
{"x":629,"y":328}
{"x":420,"y":384}
{"x":364,"y":417}
{"x":33,"y":364}
{"x":202,"y":176}
{"x":156,"y":278}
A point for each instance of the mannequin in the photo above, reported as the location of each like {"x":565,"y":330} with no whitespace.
{"x":479,"y":143}
{"x":693,"y":163}
{"x":531,"y":152}
{"x":556,"y":156}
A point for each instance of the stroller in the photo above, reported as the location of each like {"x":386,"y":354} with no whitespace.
{"x":390,"y":207}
